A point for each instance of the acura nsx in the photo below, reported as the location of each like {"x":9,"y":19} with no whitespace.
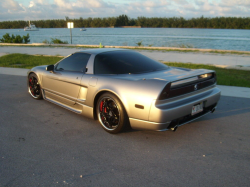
{"x":123,"y":88}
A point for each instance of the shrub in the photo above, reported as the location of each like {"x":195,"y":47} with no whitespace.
{"x":18,"y":39}
{"x":26,"y":38}
{"x":46,"y":41}
{"x":14,"y":39}
{"x":6,"y":38}
{"x":139,"y":43}
{"x":58,"y":41}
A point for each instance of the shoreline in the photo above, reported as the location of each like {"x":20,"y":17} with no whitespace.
{"x":131,"y":47}
{"x":131,"y":27}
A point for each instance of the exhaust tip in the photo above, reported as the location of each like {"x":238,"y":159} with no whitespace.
{"x":212,"y":111}
{"x":174,"y":125}
{"x":174,"y":128}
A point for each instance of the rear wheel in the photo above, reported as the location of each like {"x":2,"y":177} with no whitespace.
{"x":34,"y":86}
{"x":111,"y":113}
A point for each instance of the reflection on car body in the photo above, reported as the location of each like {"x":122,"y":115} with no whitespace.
{"x":124,"y":88}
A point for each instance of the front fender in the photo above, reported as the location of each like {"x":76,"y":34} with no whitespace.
{"x":39,"y":70}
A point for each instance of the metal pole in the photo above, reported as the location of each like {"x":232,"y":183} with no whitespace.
{"x":71,"y":35}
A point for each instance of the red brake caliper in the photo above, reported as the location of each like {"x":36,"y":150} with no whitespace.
{"x":101,"y":106}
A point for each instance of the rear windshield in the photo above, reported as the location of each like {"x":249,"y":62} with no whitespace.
{"x":125,"y":62}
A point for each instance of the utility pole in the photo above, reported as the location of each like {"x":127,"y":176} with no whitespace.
{"x":70,"y":26}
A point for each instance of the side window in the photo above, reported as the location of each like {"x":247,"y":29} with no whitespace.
{"x":75,"y":62}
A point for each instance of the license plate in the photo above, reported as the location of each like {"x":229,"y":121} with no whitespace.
{"x":197,"y":108}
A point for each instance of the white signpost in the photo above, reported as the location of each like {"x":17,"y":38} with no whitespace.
{"x":70,"y":26}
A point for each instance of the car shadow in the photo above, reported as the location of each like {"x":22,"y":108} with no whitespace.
{"x":229,"y":106}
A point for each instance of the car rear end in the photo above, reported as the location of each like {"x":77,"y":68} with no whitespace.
{"x":182,"y":101}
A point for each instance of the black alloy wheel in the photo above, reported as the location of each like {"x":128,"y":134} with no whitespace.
{"x":111,"y":113}
{"x":34,"y":86}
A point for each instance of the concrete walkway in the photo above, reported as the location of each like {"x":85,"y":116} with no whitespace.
{"x":223,"y":60}
{"x":231,"y":91}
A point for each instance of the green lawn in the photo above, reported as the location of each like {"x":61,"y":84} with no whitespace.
{"x":228,"y":77}
{"x":27,"y":61}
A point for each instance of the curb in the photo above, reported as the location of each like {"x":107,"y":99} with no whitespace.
{"x":126,"y":47}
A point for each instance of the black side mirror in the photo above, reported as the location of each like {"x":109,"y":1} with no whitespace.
{"x":50,"y":68}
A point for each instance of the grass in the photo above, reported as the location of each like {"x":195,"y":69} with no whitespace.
{"x":188,"y":50}
{"x":229,"y":77}
{"x":27,"y":61}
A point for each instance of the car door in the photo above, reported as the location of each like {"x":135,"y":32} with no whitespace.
{"x":63,"y":84}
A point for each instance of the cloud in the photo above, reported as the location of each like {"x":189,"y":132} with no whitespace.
{"x":63,"y":4}
{"x":238,"y":3}
{"x":10,"y":6}
{"x":233,"y":8}
{"x":180,"y":2}
{"x":58,"y":9}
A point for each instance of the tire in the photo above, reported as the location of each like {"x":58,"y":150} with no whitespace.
{"x":111,"y":113}
{"x":34,"y":87}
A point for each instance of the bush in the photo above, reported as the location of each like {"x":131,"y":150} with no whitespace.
{"x":58,"y":41}
{"x":15,"y":39}
{"x":46,"y":41}
{"x":18,"y":39}
{"x":139,"y":43}
{"x":26,"y":38}
{"x":6,"y":38}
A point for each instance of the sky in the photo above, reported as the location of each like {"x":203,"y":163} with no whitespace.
{"x":58,"y":9}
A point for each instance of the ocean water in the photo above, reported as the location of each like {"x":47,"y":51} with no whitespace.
{"x":225,"y":39}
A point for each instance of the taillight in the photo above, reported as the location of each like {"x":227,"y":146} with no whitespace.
{"x":181,"y":87}
{"x":165,"y":92}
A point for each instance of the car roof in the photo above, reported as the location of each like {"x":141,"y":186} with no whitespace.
{"x":101,"y":50}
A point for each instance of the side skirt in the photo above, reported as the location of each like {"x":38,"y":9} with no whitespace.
{"x":61,"y":104}
{"x":83,"y":109}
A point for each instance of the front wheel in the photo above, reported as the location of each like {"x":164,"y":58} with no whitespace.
{"x":111,"y":113}
{"x":34,"y":87}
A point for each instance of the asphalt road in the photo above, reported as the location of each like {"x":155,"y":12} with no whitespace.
{"x":42,"y":144}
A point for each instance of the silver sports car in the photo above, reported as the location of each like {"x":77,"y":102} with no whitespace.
{"x":123,"y":88}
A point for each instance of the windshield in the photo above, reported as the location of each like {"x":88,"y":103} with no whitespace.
{"x":125,"y":62}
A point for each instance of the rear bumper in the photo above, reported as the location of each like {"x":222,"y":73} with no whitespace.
{"x":165,"y":114}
